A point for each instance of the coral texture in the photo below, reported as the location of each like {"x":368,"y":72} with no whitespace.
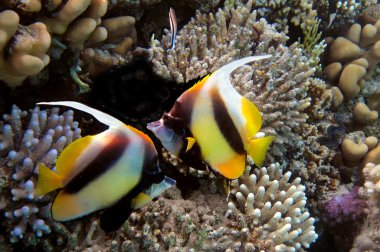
{"x":68,"y":26}
{"x":29,"y":48}
{"x":368,"y":238}
{"x":27,"y":139}
{"x":275,"y":220}
{"x":345,"y":207}
{"x":273,"y":210}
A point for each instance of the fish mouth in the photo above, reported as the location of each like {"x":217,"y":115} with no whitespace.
{"x":169,"y":181}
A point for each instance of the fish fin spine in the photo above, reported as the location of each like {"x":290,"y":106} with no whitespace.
{"x":48,"y":181}
{"x":257,"y":149}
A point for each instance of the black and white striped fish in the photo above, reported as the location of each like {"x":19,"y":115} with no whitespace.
{"x":214,"y":122}
{"x":116,"y":170}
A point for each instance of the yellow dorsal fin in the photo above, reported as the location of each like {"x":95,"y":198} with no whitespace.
{"x":258,"y":148}
{"x":48,"y":181}
{"x":197,"y":86}
{"x":253,"y":117}
{"x":232,"y":168}
{"x":190,"y":143}
{"x":66,"y":161}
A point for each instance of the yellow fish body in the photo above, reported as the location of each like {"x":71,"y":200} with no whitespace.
{"x":213,"y":120}
{"x":116,"y":170}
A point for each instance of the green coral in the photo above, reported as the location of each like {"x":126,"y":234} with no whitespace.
{"x":312,"y":44}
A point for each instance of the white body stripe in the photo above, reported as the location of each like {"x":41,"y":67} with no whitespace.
{"x":121,"y":178}
{"x":220,"y":80}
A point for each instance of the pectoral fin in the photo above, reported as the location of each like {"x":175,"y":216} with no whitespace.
{"x":252,"y":116}
{"x":190,"y":143}
{"x":258,"y":148}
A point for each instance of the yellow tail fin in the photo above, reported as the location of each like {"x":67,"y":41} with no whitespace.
{"x":48,"y":181}
{"x":258,"y":148}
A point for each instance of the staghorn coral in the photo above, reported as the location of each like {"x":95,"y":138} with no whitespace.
{"x":272,"y":209}
{"x":23,"y":144}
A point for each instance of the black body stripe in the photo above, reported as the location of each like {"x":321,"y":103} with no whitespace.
{"x":104,"y":161}
{"x":183,"y":108}
{"x":225,"y":123}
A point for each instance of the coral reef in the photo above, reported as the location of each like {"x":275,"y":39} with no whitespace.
{"x":199,"y":223}
{"x":29,"y":48}
{"x":326,"y":132}
{"x":281,"y":13}
{"x":282,"y":87}
{"x":70,"y":27}
{"x":272,"y":209}
{"x":345,"y":206}
{"x":27,"y":139}
{"x":368,"y":239}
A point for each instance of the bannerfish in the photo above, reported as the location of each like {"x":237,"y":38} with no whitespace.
{"x":173,"y":28}
{"x":116,"y":170}
{"x":213,"y":122}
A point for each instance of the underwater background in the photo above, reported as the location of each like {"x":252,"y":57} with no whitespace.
{"x":319,"y":188}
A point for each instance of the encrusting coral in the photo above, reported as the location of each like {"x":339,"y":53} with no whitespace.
{"x":27,"y":139}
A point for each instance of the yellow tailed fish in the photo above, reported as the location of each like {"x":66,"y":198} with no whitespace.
{"x":213,"y":121}
{"x":116,"y":170}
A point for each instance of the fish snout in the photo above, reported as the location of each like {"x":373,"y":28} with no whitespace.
{"x":169,"y":181}
{"x":152,"y":126}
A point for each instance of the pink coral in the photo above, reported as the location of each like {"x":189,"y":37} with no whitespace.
{"x":345,"y":207}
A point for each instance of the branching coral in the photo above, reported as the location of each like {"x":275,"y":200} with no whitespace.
{"x":272,"y":209}
{"x":298,"y":12}
{"x":22,"y":146}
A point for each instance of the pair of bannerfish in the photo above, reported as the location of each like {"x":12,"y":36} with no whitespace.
{"x":117,"y":170}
